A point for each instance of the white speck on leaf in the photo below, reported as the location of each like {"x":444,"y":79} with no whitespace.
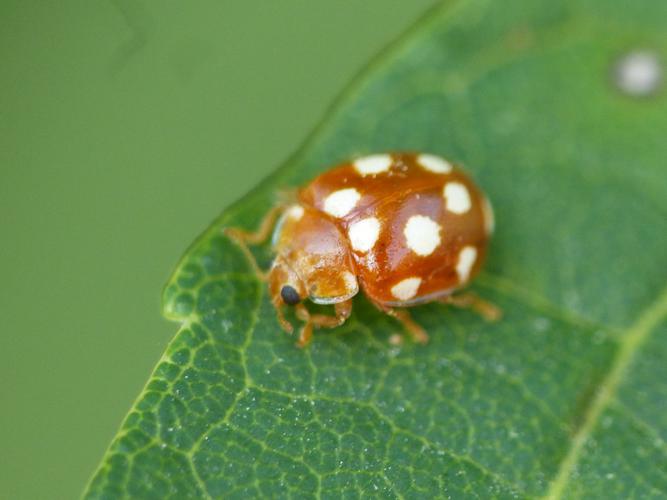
{"x":638,"y":73}
{"x":500,"y":369}
{"x":226,"y":325}
{"x":542,"y":324}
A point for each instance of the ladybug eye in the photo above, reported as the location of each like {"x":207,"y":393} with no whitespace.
{"x":289,"y":295}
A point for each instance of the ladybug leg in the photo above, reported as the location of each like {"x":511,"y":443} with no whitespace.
{"x":277,"y":304}
{"x":307,"y":329}
{"x":245,"y":238}
{"x":414,"y":329}
{"x":417,"y":333}
{"x":343,"y":311}
{"x":470,"y":300}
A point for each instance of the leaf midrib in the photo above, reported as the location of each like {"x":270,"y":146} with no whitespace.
{"x":634,"y":338}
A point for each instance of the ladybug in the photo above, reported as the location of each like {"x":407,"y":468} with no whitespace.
{"x":405,"y":228}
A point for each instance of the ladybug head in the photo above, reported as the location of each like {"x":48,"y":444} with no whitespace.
{"x":313,"y":260}
{"x":285,"y":285}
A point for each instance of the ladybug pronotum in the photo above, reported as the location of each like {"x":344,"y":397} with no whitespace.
{"x":404,"y":228}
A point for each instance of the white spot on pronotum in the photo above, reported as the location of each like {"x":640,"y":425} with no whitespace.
{"x":364,"y":234}
{"x":467,"y":258}
{"x":422,"y":234}
{"x":341,"y":202}
{"x":489,"y":217}
{"x":295,"y":212}
{"x":639,"y":73}
{"x":350,"y":281}
{"x":457,"y":197}
{"x":434,"y":164}
{"x":374,"y":164}
{"x":406,"y":289}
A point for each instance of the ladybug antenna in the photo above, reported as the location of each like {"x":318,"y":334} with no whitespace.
{"x":289,"y":295}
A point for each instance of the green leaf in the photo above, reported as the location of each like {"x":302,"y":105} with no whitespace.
{"x":566,"y":396}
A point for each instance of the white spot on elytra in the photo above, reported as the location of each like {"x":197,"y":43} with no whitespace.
{"x":457,"y":197}
{"x":406,"y":289}
{"x":374,"y":164}
{"x":364,"y":234}
{"x":489,"y":217}
{"x":467,"y":257}
{"x":639,"y":73}
{"x":341,"y":202}
{"x":434,"y":164}
{"x":422,"y":234}
{"x":295,"y":212}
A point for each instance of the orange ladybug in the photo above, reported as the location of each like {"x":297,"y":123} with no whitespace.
{"x":404,"y":228}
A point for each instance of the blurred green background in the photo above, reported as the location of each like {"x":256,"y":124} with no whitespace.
{"x":125,"y":127}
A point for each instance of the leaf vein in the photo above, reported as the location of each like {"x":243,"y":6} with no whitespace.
{"x":636,"y":335}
